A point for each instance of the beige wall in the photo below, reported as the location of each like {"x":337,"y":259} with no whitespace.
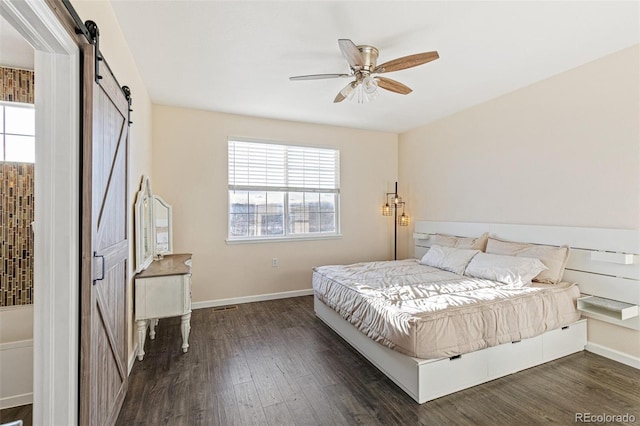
{"x":116,"y":51}
{"x":190,"y":172}
{"x":564,"y":151}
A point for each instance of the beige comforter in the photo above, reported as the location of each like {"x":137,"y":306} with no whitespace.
{"x":429,"y":313}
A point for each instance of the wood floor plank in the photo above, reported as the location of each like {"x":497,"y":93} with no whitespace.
{"x":249,"y":405}
{"x":323,"y":407}
{"x":352,"y":405}
{"x":22,"y":412}
{"x":278,"y":415}
{"x":295,"y":399}
{"x":274,"y":362}
{"x":263,"y":378}
{"x":227,"y":408}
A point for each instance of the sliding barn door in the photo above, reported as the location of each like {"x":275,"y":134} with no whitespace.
{"x":105,"y":258}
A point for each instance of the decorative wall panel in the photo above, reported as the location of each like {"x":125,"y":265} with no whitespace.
{"x":16,"y":248}
{"x":16,"y":85}
{"x":16,"y":205}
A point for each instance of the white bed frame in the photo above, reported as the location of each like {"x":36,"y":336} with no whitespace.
{"x":617,"y":277}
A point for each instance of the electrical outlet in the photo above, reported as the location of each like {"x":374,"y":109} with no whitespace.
{"x":274,"y":262}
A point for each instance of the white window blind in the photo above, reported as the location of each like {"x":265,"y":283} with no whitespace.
{"x":282,"y":191}
{"x":254,"y":165}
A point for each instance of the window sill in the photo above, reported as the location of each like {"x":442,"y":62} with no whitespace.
{"x":283,"y":239}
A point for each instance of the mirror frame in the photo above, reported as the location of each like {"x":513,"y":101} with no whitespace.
{"x":143,"y":226}
{"x":163,"y":203}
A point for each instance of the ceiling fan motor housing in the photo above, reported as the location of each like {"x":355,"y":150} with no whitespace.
{"x":369,"y":57}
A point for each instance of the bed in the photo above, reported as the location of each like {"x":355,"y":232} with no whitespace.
{"x":426,"y":312}
{"x":436,"y":332}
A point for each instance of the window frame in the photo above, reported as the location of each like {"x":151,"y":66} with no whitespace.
{"x":3,"y":134}
{"x":309,"y":236}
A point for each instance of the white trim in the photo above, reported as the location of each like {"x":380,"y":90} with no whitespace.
{"x":56,"y":258}
{"x":16,"y":400}
{"x":16,"y":308}
{"x":305,"y":237}
{"x":16,"y":345}
{"x":280,"y":142}
{"x":14,"y":363}
{"x":612,"y":354}
{"x":250,"y":299}
{"x":132,"y":358}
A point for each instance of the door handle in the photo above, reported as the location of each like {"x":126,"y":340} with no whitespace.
{"x":95,"y":256}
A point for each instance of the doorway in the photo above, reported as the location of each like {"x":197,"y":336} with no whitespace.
{"x":56,"y":198}
{"x":17,"y":164}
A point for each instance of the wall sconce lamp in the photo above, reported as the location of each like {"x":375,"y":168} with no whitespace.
{"x":392,"y":203}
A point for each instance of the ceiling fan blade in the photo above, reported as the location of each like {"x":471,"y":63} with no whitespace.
{"x":393,"y":86}
{"x":318,"y":76}
{"x":345,"y":92}
{"x":351,"y":53}
{"x":407,"y":62}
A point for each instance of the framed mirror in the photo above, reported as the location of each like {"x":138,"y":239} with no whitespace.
{"x":144,"y":238}
{"x":162,"y":225}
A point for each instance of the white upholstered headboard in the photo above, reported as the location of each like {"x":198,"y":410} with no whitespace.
{"x":604,"y":262}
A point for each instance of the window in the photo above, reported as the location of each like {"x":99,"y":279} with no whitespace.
{"x":17,"y":130}
{"x":282,"y":191}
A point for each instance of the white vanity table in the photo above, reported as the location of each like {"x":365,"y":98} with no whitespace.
{"x":163,"y":281}
{"x":163,"y":290}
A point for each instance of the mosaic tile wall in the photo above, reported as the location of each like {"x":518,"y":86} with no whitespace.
{"x":16,"y":205}
{"x":16,"y":249}
{"x":16,"y":85}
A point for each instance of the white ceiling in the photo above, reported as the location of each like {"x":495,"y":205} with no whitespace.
{"x":15,"y":52}
{"x":237,"y":56}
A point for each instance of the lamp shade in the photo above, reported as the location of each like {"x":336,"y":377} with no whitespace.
{"x":403,"y":219}
{"x":387,"y":210}
{"x":369,"y":85}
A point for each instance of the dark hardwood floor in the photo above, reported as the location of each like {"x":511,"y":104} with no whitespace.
{"x":275,"y":363}
{"x":23,"y":412}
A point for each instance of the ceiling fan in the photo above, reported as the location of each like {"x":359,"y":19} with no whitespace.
{"x":362,"y":62}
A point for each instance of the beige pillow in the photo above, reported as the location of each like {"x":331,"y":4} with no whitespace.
{"x":479,"y":243}
{"x":448,"y":258}
{"x":554,"y":258}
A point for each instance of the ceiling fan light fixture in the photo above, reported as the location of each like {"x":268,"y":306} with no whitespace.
{"x":369,"y":85}
{"x":361,"y":95}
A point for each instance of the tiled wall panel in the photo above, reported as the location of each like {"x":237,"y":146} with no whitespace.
{"x":16,"y":205}
{"x":16,"y":85}
{"x":16,"y":249}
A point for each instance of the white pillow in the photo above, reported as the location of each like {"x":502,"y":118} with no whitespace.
{"x":448,"y":258}
{"x":512,"y":270}
{"x":554,"y":258}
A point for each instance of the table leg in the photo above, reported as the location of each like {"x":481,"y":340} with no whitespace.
{"x":142,"y":335}
{"x":185,"y":325}
{"x":152,"y":328}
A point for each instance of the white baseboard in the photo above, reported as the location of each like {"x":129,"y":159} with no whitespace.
{"x":16,"y":400}
{"x":618,"y":356}
{"x":249,"y":299}
{"x":16,"y":373}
